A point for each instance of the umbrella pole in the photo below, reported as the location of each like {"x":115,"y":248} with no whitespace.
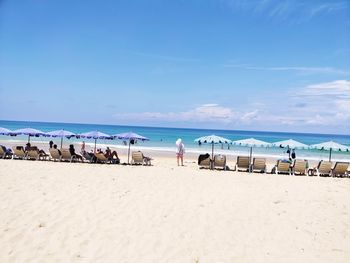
{"x":28,"y":138}
{"x":61,"y":142}
{"x":212,"y":155}
{"x":330,"y":154}
{"x":250,"y":157}
{"x":129,"y":152}
{"x":95,"y":146}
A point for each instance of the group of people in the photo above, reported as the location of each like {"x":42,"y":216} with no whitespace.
{"x":110,"y":155}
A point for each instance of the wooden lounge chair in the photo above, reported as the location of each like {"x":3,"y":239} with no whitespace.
{"x":204,"y":161}
{"x":324,"y":168}
{"x":243,"y":163}
{"x":4,"y":154}
{"x":300,"y":167}
{"x":220,"y":161}
{"x":33,"y":154}
{"x":138,"y":158}
{"x":282,"y":167}
{"x":55,"y":154}
{"x":259,"y":164}
{"x":18,"y":152}
{"x":101,"y":158}
{"x":340,"y":169}
{"x":66,"y":156}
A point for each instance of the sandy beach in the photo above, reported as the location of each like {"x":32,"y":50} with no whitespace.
{"x":74,"y":212}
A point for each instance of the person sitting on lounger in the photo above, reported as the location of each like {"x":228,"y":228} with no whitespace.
{"x":72,"y":152}
{"x":28,"y":147}
{"x":112,"y":155}
{"x":55,"y":147}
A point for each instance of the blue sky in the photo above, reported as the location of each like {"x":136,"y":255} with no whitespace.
{"x":225,"y":64}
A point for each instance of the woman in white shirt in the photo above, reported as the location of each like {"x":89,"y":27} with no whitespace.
{"x":180,"y":150}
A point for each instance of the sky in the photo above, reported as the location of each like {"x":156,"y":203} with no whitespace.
{"x":270,"y":65}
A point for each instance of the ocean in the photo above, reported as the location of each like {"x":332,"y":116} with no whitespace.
{"x":164,"y":138}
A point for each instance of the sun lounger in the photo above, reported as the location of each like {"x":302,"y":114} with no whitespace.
{"x":259,"y":164}
{"x":220,"y":161}
{"x":18,"y":152}
{"x":300,"y":167}
{"x":340,"y":169}
{"x":4,"y":154}
{"x":66,"y":156}
{"x":55,"y":154}
{"x":204,"y":161}
{"x":138,"y":158}
{"x":101,"y":158}
{"x":324,"y":168}
{"x":282,"y":167}
{"x":243,"y":163}
{"x":33,"y":155}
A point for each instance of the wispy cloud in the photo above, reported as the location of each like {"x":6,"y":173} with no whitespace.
{"x":300,"y":69}
{"x":296,"y":10}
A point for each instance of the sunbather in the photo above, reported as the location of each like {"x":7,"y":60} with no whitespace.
{"x":73,"y":153}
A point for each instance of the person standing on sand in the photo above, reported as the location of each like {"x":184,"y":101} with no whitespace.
{"x":180,"y":150}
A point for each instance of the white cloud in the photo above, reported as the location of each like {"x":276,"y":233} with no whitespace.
{"x":202,"y":113}
{"x":299,"y":69}
{"x":321,"y":107}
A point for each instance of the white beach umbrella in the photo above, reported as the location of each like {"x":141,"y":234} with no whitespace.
{"x":28,"y":131}
{"x":330,"y":146}
{"x":61,"y":134}
{"x":130,"y":136}
{"x":95,"y":135}
{"x":251,"y":142}
{"x":212,"y":139}
{"x":4,"y":131}
{"x":290,"y":144}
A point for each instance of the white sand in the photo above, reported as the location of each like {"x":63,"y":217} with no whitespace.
{"x":62,"y":212}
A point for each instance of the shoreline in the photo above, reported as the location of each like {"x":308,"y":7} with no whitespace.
{"x":170,"y":151}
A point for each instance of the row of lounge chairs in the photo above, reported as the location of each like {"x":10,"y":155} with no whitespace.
{"x":34,"y":153}
{"x":298,"y":167}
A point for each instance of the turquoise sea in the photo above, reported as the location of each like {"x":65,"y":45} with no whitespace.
{"x":164,"y":138}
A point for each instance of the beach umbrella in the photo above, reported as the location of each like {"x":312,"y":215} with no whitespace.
{"x":94,"y":135}
{"x":4,"y":131}
{"x":212,"y":139}
{"x":330,"y":146}
{"x":130,"y":136}
{"x":61,"y":134}
{"x":251,"y":142}
{"x":28,"y":131}
{"x":290,"y":144}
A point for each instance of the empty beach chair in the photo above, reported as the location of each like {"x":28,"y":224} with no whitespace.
{"x":282,"y":167}
{"x":340,"y":169}
{"x":4,"y":154}
{"x":204,"y":161}
{"x":138,"y":158}
{"x":324,"y":168}
{"x":18,"y":152}
{"x":33,"y":154}
{"x":220,"y":161}
{"x":243,"y":163}
{"x":300,"y":167}
{"x":259,"y":164}
{"x":55,"y":154}
{"x":66,"y":156}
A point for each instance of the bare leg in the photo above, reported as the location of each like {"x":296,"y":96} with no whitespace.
{"x":177,"y":158}
{"x":182,"y":161}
